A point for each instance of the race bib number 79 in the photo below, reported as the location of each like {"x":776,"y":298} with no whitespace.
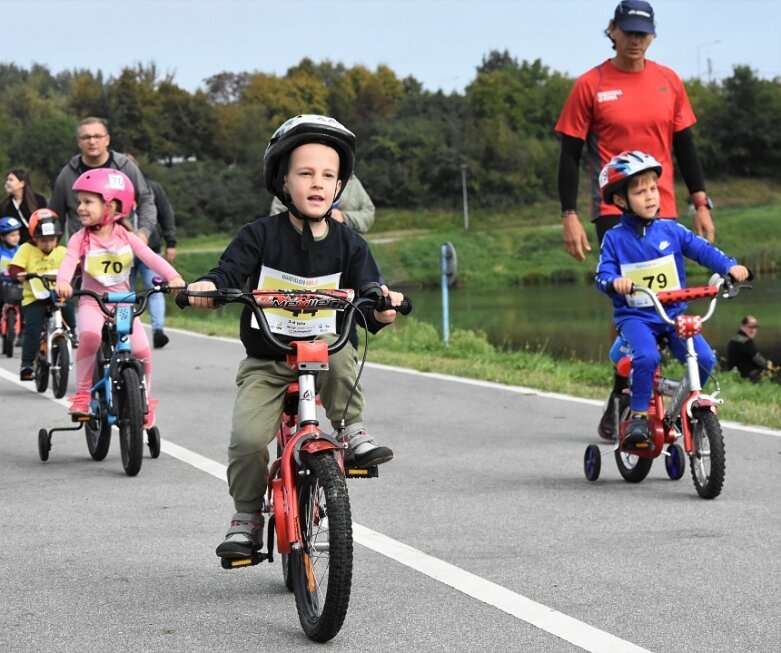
{"x":658,"y":274}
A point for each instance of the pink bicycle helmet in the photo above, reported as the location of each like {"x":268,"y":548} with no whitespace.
{"x":621,"y":168}
{"x":111,"y":185}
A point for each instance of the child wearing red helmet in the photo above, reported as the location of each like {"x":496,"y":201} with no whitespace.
{"x":42,"y":254}
{"x":105,"y":248}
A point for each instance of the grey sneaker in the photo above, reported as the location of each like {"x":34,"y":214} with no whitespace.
{"x":362,"y":450}
{"x":244,"y":537}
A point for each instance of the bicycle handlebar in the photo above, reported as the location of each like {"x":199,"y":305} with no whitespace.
{"x":712,"y":291}
{"x":47,"y":278}
{"x":297,"y":301}
{"x":138,"y":299}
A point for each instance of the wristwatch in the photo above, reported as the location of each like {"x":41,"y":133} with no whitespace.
{"x":700,"y":202}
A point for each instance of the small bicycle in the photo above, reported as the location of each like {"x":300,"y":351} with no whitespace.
{"x":688,"y":414}
{"x":55,"y":352}
{"x":307,"y":502}
{"x":118,"y":387}
{"x":11,"y":319}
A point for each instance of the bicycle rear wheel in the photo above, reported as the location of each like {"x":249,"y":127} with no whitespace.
{"x":707,"y":459}
{"x":10,"y":333}
{"x":98,"y":430}
{"x":633,"y":469}
{"x":322,"y":570}
{"x":131,"y":421}
{"x":60,"y":368}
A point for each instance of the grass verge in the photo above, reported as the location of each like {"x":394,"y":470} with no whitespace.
{"x":416,"y":345}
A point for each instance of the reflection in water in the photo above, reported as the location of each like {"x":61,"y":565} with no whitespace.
{"x":575,"y":320}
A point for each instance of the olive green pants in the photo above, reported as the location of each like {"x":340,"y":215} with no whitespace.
{"x":258,"y":409}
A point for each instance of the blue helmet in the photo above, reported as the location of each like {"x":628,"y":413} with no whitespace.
{"x":9,"y":224}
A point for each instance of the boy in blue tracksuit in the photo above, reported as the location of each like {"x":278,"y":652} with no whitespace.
{"x":645,"y":250}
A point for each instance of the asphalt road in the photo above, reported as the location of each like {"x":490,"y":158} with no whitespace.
{"x":481,"y":535}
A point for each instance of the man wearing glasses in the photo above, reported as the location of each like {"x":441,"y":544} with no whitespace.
{"x":742,"y":352}
{"x":93,"y":139}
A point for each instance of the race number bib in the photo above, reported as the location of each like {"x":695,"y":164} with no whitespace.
{"x":303,"y":325}
{"x":659,"y":274}
{"x":109,"y":267}
{"x":37,"y":288}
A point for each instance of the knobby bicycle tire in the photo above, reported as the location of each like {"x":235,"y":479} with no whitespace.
{"x":707,"y":461}
{"x":131,"y":420}
{"x":41,"y":370}
{"x":322,"y":571}
{"x":98,"y":431}
{"x":60,"y":366}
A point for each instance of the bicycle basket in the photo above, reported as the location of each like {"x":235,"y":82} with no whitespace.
{"x":11,"y":292}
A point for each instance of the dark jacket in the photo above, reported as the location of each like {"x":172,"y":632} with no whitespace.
{"x":166,"y":219}
{"x":273,"y":242}
{"x":65,"y":204}
{"x":23,"y":213}
{"x":743,"y":354}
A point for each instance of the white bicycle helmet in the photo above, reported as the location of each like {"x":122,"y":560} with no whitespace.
{"x":306,"y":128}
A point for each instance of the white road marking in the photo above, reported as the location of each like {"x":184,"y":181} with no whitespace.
{"x":556,"y":623}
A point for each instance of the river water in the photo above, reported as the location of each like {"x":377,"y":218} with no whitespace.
{"x":573,"y":321}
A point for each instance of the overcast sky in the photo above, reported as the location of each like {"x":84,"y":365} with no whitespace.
{"x":439,"y":42}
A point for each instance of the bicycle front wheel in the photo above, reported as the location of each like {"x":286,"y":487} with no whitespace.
{"x":41,"y":371}
{"x":322,"y":570}
{"x":9,"y":335}
{"x":707,"y":458}
{"x":131,"y":421}
{"x":60,"y":368}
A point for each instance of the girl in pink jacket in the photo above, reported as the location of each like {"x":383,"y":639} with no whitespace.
{"x":105,"y":247}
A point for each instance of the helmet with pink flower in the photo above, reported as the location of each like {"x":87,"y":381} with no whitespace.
{"x":111,"y":185}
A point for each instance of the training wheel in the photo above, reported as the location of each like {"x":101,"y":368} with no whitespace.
{"x":675,"y":462}
{"x":44,"y":444}
{"x":592,"y":462}
{"x":153,"y":441}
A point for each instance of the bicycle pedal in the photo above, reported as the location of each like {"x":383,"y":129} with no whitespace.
{"x":240,"y":563}
{"x":361,"y":472}
{"x":81,"y":418}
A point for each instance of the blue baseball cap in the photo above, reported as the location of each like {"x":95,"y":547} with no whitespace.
{"x":635,"y":16}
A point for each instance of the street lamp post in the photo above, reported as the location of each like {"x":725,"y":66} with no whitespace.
{"x":699,"y":60}
{"x":463,"y":190}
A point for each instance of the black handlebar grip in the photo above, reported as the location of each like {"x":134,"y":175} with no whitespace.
{"x":384,"y":305}
{"x":182,"y":299}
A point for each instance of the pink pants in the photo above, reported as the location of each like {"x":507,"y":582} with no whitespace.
{"x":90,"y":320}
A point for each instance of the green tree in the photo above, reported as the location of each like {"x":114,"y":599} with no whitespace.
{"x":43,"y":146}
{"x":135,"y":113}
{"x":88,"y":95}
{"x":748,"y":127}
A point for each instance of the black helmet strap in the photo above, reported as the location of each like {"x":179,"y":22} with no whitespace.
{"x":307,"y":237}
